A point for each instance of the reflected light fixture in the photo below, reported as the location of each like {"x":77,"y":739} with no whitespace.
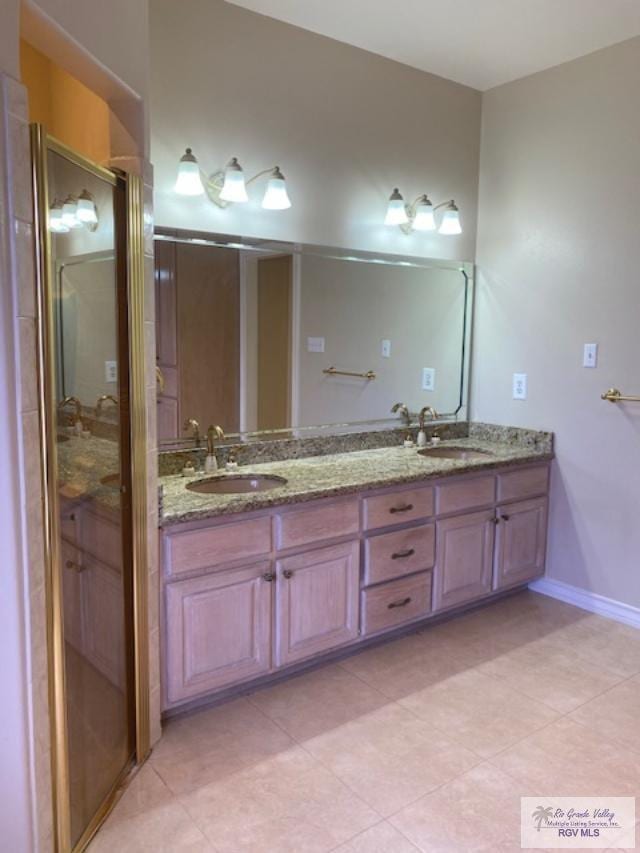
{"x":276,"y":196}
{"x":420,"y":215}
{"x":74,"y":213}
{"x":228,"y":185}
{"x":188,"y":181}
{"x":86,"y":209}
{"x":56,"y":225}
{"x":233,"y":188}
{"x":69,"y":213}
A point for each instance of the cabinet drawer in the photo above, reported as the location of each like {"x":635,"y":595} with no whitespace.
{"x":402,"y":552}
{"x":396,"y":603}
{"x":468,"y":494}
{"x":523,"y":484}
{"x":212,"y":546}
{"x":334,"y":519}
{"x":396,"y":507}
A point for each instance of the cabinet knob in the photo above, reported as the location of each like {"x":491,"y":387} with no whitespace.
{"x":268,"y":577}
{"x":496,"y":520}
{"x":505,"y":517}
{"x":403,"y":508}
{"x":70,"y":564}
{"x":402,"y":603}
{"x":401,"y":555}
{"x":287,"y":573}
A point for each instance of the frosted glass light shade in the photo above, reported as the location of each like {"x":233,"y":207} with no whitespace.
{"x":234,"y":188}
{"x":188,"y":181}
{"x":276,"y":196}
{"x":56,"y":225}
{"x":424,"y":219}
{"x":69,"y":213}
{"x":86,"y":210}
{"x":450,"y":221}
{"x":396,"y":213}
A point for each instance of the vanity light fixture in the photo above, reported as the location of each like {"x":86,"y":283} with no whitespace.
{"x":420,"y":214}
{"x":73,"y":213}
{"x":188,"y":181}
{"x":228,"y":185}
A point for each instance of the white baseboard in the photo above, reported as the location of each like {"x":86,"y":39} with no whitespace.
{"x":590,"y":601}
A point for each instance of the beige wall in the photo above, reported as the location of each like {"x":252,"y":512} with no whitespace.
{"x":559,"y":255}
{"x":345,"y":125}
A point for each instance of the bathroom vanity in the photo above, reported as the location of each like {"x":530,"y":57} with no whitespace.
{"x":354,"y":546}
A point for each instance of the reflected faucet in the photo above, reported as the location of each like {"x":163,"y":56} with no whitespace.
{"x":213,"y":432}
{"x":404,"y":413}
{"x":193,"y":425}
{"x":102,"y":400}
{"x":77,"y":405}
{"x":422,"y":415}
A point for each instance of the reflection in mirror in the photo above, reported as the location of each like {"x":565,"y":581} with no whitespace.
{"x":258,"y":338}
{"x":92,"y":465}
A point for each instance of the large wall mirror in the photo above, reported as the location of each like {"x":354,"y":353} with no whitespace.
{"x":268,"y":339}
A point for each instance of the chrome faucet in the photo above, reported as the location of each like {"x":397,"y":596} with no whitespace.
{"x":422,"y":415}
{"x":193,"y":425}
{"x":104,"y":399}
{"x":213,"y":432}
{"x":404,"y":413}
{"x":77,"y":405}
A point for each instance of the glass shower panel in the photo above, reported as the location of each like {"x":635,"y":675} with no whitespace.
{"x":92,"y":450}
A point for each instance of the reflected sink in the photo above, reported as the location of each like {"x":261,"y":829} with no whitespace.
{"x":236,"y":484}
{"x":456,"y":453}
{"x":111,"y":480}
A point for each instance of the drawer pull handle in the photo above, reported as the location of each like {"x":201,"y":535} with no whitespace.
{"x":404,"y":508}
{"x":505,"y":517}
{"x":400,"y":555}
{"x":75,"y":566}
{"x":268,"y":577}
{"x":402,"y":603}
{"x":288,"y":574}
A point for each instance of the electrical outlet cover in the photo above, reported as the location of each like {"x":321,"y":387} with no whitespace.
{"x":111,"y":371}
{"x":519,"y":386}
{"x":428,"y":379}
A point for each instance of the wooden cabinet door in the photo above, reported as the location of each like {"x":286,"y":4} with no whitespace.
{"x":464,"y":558}
{"x":317,"y":601}
{"x":103,"y":615}
{"x":218,"y":630}
{"x":521,"y":542}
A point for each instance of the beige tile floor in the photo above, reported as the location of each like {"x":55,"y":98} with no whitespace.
{"x":422,"y":744}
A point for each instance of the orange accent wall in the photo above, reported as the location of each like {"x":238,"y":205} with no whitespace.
{"x":71,"y":112}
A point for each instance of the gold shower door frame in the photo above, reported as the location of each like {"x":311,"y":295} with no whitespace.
{"x":132,"y":186}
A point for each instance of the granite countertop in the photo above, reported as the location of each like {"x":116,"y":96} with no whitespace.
{"x":343,"y":473}
{"x":83,"y":463}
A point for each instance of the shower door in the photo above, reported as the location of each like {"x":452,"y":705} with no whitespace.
{"x":84,"y":256}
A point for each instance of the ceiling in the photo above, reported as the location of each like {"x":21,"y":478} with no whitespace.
{"x":481,"y":43}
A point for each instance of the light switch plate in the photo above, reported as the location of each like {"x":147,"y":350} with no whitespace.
{"x":111,"y":371}
{"x":590,"y":355}
{"x":519,"y":386}
{"x":315,"y":344}
{"x":386,"y":349}
{"x":428,"y":379}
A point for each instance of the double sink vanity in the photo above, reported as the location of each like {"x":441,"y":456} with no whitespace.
{"x":341,"y":548}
